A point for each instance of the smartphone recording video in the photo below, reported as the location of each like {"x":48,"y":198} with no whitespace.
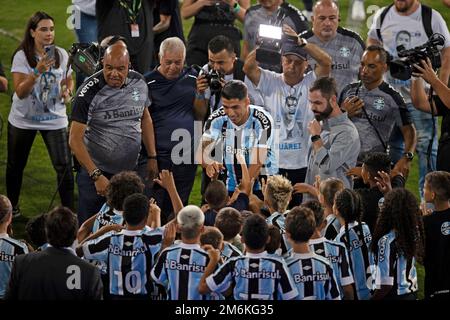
{"x":50,"y":50}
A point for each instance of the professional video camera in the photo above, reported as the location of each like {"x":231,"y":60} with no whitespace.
{"x":270,"y":40}
{"x":85,"y":58}
{"x":403,"y":68}
{"x":214,"y":78}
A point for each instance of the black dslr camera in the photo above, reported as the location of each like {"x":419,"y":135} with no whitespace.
{"x":403,"y":68}
{"x":85,"y":58}
{"x":214,"y":78}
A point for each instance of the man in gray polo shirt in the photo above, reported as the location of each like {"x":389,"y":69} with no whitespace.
{"x":375,"y":107}
{"x":344,"y":46}
{"x":335,"y":143}
{"x":109,"y":117}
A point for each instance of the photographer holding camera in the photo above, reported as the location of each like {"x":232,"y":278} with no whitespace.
{"x":274,"y":13}
{"x":223,"y":66}
{"x":285,"y":96}
{"x":388,"y":30}
{"x":440,"y":104}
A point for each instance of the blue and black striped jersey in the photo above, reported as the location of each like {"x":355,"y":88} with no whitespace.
{"x":179,"y":269}
{"x":129,"y":256}
{"x":337,"y":255}
{"x":9,"y":249}
{"x":229,"y":251}
{"x":254,"y":277}
{"x":393,"y":268}
{"x":332,"y":228}
{"x":106,"y":217}
{"x":313,"y":277}
{"x":361,"y":261}
{"x":278,"y":220}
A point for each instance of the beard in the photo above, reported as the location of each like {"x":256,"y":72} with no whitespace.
{"x":322,"y":115}
{"x":403,"y":8}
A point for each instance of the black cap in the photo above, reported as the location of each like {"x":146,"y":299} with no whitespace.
{"x":295,"y":49}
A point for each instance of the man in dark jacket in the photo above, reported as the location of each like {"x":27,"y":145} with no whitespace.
{"x":55,"y":273}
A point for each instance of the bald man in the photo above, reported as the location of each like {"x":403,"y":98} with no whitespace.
{"x":109,"y":120}
{"x":344,"y":46}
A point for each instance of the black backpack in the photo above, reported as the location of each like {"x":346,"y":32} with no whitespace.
{"x":426,"y":20}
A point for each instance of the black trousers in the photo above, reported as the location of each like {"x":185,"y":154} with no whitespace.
{"x":443,"y":153}
{"x":295,"y":176}
{"x":19,"y":146}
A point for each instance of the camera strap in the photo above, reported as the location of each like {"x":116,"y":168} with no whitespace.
{"x":433,"y":130}
{"x":427,"y":13}
{"x":370,"y":121}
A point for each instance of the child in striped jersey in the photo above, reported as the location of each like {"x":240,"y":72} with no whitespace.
{"x":255,"y":276}
{"x":213,"y":237}
{"x":356,"y":237}
{"x":327,"y":191}
{"x":9,"y":247}
{"x":229,"y":222}
{"x":130,"y":254}
{"x":312,"y":274}
{"x":397,"y":242}
{"x":180,"y":266}
{"x":277,"y":195}
{"x":120,"y":186}
{"x":335,"y":252}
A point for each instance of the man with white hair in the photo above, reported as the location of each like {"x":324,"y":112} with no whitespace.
{"x":172,"y":92}
{"x":180,"y":267}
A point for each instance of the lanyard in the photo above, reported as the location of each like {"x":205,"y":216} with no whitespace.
{"x":132,"y":12}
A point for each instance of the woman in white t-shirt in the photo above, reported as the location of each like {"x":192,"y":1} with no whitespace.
{"x":41,"y":86}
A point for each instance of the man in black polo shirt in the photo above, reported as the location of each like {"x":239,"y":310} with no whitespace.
{"x":132,"y":19}
{"x":171,"y":91}
{"x":109,"y":116}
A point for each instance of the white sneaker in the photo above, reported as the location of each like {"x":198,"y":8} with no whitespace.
{"x":358,"y":10}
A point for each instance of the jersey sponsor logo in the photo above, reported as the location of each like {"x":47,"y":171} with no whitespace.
{"x":356,"y":243}
{"x":87,"y":86}
{"x":445,"y":228}
{"x":135,"y":111}
{"x":341,"y":66}
{"x":175,"y":265}
{"x":382,"y":249}
{"x":262,"y":274}
{"x":6,"y":257}
{"x":118,"y":251}
{"x":135,"y":95}
{"x":241,"y":151}
{"x":378,"y":103}
{"x":261,"y":116}
{"x":299,"y":278}
{"x":216,"y":114}
{"x":344,"y":52}
{"x":333,"y":258}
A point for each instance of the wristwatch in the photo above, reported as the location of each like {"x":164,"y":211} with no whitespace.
{"x":315,"y":137}
{"x":408,"y":155}
{"x":95,"y":174}
{"x":302,"y":42}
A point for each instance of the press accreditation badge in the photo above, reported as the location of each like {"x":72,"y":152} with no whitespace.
{"x":134,"y":30}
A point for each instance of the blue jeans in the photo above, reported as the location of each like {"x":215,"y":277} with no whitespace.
{"x":87,"y":33}
{"x":89,"y":202}
{"x":423,"y":123}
